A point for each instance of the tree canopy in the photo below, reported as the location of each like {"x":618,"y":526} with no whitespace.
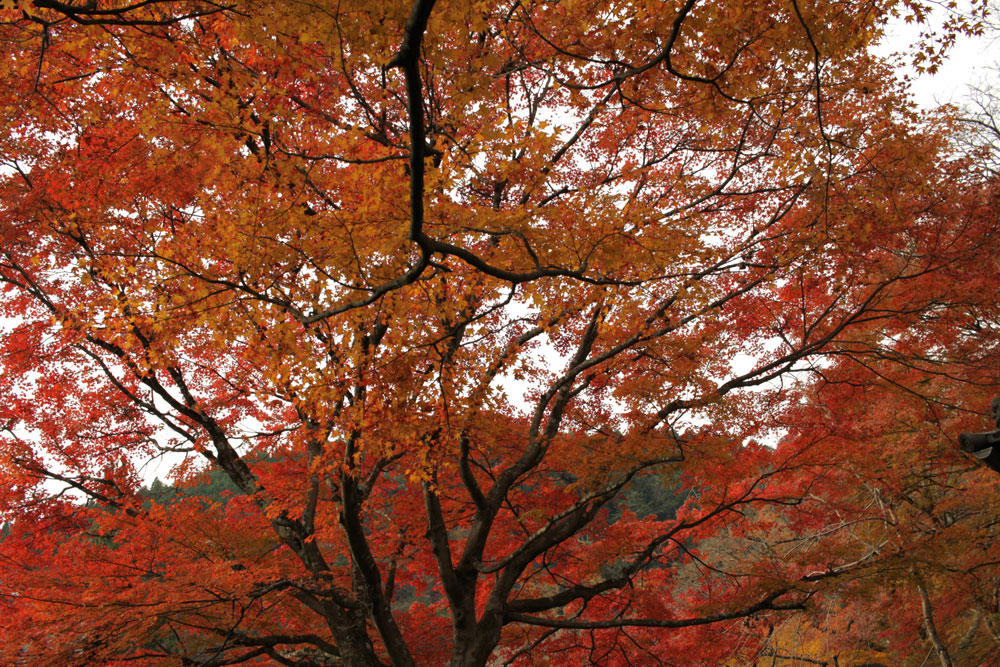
{"x":518,"y":333}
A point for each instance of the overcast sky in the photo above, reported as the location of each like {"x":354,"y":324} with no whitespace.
{"x":969,"y":64}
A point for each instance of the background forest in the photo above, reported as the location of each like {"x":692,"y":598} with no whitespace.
{"x":578,"y":332}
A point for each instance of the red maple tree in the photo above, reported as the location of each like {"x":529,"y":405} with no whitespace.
{"x":485,"y":316}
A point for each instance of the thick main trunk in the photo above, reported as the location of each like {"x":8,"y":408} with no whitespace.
{"x":474,"y":642}
{"x":353,"y":642}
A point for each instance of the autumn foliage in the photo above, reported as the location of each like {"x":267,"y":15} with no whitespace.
{"x":611,"y":333}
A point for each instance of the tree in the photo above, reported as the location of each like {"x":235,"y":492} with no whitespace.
{"x":436,"y":287}
{"x":907,"y":495}
{"x":981,"y":110}
{"x":934,"y":600}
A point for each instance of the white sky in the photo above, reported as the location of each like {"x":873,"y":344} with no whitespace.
{"x":968,"y":64}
